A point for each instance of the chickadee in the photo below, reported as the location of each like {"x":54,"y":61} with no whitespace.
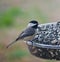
{"x":28,"y":33}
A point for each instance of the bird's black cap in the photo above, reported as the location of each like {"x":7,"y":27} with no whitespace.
{"x":33,"y":21}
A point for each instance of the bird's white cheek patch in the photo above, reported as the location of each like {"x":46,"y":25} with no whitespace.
{"x":31,"y":24}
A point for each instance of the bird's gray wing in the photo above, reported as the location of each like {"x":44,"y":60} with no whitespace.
{"x":27,"y":32}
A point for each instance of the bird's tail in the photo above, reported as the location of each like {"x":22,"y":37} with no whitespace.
{"x":12,"y":43}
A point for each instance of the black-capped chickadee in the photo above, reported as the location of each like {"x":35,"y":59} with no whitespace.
{"x":28,"y":33}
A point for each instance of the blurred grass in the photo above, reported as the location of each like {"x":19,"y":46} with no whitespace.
{"x":12,"y":54}
{"x":8,"y":18}
{"x":17,"y":55}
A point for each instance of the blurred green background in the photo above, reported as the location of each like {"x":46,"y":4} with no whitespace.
{"x":14,"y":17}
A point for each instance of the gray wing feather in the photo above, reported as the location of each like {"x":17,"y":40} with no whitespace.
{"x":25,"y":33}
{"x":28,"y":32}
